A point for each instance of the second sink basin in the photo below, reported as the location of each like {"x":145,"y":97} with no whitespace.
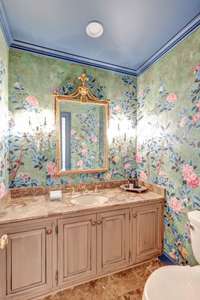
{"x":89,"y":200}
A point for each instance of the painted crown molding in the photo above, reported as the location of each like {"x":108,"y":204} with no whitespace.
{"x":23,"y":45}
{"x":4,"y":25}
{"x":177,"y":38}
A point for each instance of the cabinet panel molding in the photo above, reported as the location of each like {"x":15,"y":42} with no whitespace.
{"x":113,"y":240}
{"x":146,"y":226}
{"x":77,"y":250}
{"x":28,"y":260}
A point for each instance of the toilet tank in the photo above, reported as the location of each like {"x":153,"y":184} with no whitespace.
{"x":194,"y":218}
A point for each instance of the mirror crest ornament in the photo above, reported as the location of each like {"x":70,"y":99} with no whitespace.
{"x":81,"y":131}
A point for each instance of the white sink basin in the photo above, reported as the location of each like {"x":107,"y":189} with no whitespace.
{"x":89,"y":200}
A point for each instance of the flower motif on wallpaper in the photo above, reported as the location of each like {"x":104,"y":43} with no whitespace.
{"x":84,"y":151}
{"x":191,"y":178}
{"x":80,"y":163}
{"x":171,"y":98}
{"x":175,"y":204}
{"x":52,"y":169}
{"x":94,"y":138}
{"x":32,"y":101}
{"x":167,"y":100}
{"x":22,"y":100}
{"x":183,"y":121}
{"x":117,"y":109}
{"x":143,"y":176}
{"x":127,"y":166}
{"x":138,"y":158}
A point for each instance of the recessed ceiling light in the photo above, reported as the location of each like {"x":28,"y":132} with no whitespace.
{"x":94,"y":29}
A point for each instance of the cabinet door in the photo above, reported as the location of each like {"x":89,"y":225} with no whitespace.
{"x":77,"y":249}
{"x":27,"y":259}
{"x":146,"y":232}
{"x":113,"y":240}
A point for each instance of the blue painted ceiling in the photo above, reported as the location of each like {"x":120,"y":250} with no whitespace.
{"x":133,"y":29}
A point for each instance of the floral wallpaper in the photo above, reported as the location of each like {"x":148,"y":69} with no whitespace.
{"x":32,"y":80}
{"x":168,"y":138}
{"x":4,"y":116}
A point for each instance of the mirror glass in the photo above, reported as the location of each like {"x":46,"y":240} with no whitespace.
{"x":81,"y":131}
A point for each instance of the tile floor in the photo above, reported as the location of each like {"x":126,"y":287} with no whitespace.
{"x":126,"y":285}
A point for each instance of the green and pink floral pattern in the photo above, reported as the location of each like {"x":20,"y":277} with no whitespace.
{"x":33,"y":79}
{"x":168,"y":138}
{"x":3,"y":116}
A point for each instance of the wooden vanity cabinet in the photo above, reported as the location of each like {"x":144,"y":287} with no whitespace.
{"x":146,"y":232}
{"x":76,"y":249}
{"x":27,"y":267}
{"x":45,"y":255}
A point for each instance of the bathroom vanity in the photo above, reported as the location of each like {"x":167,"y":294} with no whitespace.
{"x":56,"y":245}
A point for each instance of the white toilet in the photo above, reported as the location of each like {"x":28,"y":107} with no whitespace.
{"x":178,"y":282}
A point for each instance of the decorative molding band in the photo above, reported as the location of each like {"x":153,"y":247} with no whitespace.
{"x":70,"y":57}
{"x":22,"y":45}
{"x":177,"y":38}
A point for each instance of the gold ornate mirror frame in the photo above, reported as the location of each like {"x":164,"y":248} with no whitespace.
{"x":81,"y":95}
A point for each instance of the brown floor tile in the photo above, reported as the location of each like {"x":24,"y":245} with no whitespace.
{"x":126,"y":285}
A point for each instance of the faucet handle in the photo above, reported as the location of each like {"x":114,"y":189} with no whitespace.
{"x":85,"y":190}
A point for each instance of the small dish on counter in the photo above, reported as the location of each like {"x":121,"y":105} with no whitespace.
{"x":139,"y":189}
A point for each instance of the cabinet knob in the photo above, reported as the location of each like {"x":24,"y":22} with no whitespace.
{"x":49,"y":231}
{"x":134,"y":215}
{"x":99,"y":222}
{"x":3,"y":241}
{"x":93,"y":223}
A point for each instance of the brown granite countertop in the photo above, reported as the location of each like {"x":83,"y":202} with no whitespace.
{"x":32,"y":207}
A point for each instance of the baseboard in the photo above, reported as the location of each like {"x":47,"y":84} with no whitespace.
{"x":165,"y":258}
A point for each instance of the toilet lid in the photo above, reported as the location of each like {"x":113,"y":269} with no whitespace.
{"x":173,"y":283}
